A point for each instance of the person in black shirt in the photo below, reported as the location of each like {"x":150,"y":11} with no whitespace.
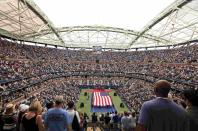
{"x":107,"y":120}
{"x":1,"y":121}
{"x":85,"y":121}
{"x":32,"y":120}
{"x":22,"y":110}
{"x":94,"y":120}
{"x":191,"y":100}
{"x":115,"y":120}
{"x":101,"y":120}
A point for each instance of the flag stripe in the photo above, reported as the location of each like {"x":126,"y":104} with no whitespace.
{"x":109,"y":99}
{"x":106,"y":100}
{"x":101,"y":103}
{"x":101,"y":99}
{"x":95,"y":100}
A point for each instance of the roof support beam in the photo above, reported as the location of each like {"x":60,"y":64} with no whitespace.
{"x":165,"y":14}
{"x":99,"y":28}
{"x":17,"y":21}
{"x":30,"y":6}
{"x":179,"y":29}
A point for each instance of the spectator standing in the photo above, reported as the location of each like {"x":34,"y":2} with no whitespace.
{"x":9,"y":118}
{"x":94,"y":120}
{"x":56,"y":119}
{"x":71,"y":116}
{"x":49,"y":105}
{"x":101,"y":118}
{"x":82,"y":121}
{"x":132,"y":121}
{"x":32,"y":120}
{"x":107,"y":120}
{"x":191,"y":99}
{"x":162,"y":114}
{"x":115,"y":120}
{"x":125,"y":121}
{"x":22,"y":110}
{"x":86,"y":118}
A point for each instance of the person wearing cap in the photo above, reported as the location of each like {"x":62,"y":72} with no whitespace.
{"x":56,"y":118}
{"x":161,"y":113}
{"x":9,"y":118}
{"x":191,"y":100}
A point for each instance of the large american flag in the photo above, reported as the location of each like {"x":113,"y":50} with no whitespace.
{"x":101,"y":99}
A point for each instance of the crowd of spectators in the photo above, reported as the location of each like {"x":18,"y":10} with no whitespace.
{"x":55,"y":87}
{"x":22,"y":65}
{"x":61,"y":85}
{"x":18,"y":61}
{"x":135,"y":93}
{"x":49,"y":116}
{"x":31,"y":70}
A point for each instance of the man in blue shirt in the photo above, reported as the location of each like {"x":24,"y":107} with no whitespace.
{"x":162,"y":114}
{"x":56,"y":119}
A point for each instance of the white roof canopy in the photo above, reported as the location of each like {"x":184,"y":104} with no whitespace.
{"x":24,"y":20}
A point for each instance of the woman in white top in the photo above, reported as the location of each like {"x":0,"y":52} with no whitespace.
{"x":133,"y":121}
{"x":71,"y":112}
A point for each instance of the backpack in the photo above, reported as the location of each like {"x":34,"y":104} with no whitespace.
{"x":75,"y":124}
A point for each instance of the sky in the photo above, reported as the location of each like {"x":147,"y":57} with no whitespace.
{"x":128,"y":14}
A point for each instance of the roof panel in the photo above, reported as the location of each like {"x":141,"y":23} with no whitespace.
{"x":179,"y":26}
{"x":23,"y":17}
{"x":176,"y":24}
